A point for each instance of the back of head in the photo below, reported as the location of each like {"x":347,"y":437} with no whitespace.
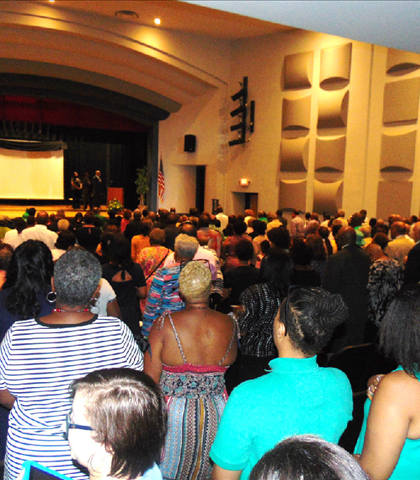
{"x":76,"y":277}
{"x":244,"y":250}
{"x":127,"y":214}
{"x":399,"y":332}
{"x":6,"y":252}
{"x":127,"y":413}
{"x":145,"y":228}
{"x":188,"y":229}
{"x":157,"y":236}
{"x":356,"y":220}
{"x":29,"y":273}
{"x":239,"y":227}
{"x":195,"y":281}
{"x":19,"y":223}
{"x":204,"y":221}
{"x":119,"y":251}
{"x":307,"y":457}
{"x":137,"y":215}
{"x":65,"y":240}
{"x":259,"y":227}
{"x":398,"y":228}
{"x":219,"y":209}
{"x":42,"y":217}
{"x":249,"y":213}
{"x":346,"y":236}
{"x":185,"y":247}
{"x":380,"y":239}
{"x":311,"y":315}
{"x":277,"y":270}
{"x":301,"y":253}
{"x":280,"y":237}
{"x":88,"y":218}
{"x":63,"y":224}
{"x":172,"y":219}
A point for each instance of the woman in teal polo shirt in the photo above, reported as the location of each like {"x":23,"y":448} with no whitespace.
{"x":296,"y":397}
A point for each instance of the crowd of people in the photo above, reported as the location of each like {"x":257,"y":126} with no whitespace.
{"x":185,"y":346}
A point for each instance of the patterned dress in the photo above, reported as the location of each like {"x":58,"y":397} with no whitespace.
{"x":196,"y":398}
{"x":385,"y":279}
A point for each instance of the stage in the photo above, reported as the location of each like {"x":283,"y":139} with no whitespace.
{"x":13,"y":211}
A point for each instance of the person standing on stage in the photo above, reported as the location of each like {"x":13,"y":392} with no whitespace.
{"x":87,"y":191}
{"x":76,"y":190}
{"x":97,"y":189}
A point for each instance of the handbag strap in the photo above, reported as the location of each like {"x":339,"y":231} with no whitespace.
{"x":160,"y":263}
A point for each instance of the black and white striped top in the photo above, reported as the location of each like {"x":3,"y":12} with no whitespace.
{"x":38,"y":362}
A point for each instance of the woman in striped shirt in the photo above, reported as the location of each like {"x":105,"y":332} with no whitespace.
{"x":40,"y":359}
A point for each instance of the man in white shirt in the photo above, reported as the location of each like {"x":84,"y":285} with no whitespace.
{"x":14,"y":237}
{"x":296,"y":225}
{"x":401,"y":244}
{"x":40,"y":231}
{"x":224,"y":219}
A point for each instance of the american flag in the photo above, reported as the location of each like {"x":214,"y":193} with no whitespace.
{"x":161,"y":181}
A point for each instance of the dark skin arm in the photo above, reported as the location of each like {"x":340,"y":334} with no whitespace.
{"x":7,"y":399}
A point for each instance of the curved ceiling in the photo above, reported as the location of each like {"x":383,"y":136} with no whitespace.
{"x":55,"y":41}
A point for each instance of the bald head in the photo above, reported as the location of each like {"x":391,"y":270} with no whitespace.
{"x":346,"y":236}
{"x":42,"y":217}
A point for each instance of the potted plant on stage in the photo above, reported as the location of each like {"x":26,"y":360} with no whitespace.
{"x":142,"y":182}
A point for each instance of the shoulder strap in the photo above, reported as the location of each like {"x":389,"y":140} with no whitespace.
{"x":234,"y":335}
{"x":160,"y":263}
{"x":178,"y":341}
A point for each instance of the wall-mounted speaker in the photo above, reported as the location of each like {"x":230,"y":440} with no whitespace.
{"x":189,"y":143}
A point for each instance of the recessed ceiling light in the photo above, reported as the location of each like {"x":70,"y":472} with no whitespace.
{"x":157,"y":21}
{"x":126,"y":14}
{"x":51,"y":1}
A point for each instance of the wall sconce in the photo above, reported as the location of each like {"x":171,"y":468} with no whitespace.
{"x":244,"y":182}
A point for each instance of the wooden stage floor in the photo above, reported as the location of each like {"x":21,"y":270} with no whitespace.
{"x":13,"y":211}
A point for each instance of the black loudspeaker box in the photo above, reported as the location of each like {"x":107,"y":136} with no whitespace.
{"x":189,"y":143}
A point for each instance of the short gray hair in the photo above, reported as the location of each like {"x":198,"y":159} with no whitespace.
{"x":76,"y":276}
{"x":186,"y":246}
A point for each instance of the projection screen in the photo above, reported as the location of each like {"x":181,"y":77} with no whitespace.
{"x":31,"y":175}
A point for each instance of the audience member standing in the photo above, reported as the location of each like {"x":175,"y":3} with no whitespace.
{"x":347,"y":273}
{"x":213,"y":238}
{"x":400,"y":244}
{"x":224,"y":219}
{"x":14,"y":237}
{"x":40,"y":231}
{"x":133,"y":228}
{"x":412,"y":267}
{"x":171,"y":231}
{"x":297,"y":224}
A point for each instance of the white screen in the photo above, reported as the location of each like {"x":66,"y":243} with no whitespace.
{"x":31,"y":175}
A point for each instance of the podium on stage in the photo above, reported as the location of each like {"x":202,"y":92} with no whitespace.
{"x":117,"y":193}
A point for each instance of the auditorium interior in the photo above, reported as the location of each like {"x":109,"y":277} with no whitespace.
{"x":332,"y":103}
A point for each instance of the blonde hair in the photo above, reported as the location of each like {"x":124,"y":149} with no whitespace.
{"x":195,"y":281}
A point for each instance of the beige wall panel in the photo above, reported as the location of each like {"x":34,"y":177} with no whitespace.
{"x":332,"y":109}
{"x":401,"y":101}
{"x":298,"y":70}
{"x":328,"y":197}
{"x":297,"y":114}
{"x":393,"y":197}
{"x":330,"y":154}
{"x":293,"y":194}
{"x":335,"y":67}
{"x":294,"y":155}
{"x":398,"y":152}
{"x":399,"y":62}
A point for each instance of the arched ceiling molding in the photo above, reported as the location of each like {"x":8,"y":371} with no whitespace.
{"x":82,"y":94}
{"x":85,"y":42}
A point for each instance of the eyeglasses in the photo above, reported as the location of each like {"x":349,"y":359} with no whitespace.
{"x":70,"y":424}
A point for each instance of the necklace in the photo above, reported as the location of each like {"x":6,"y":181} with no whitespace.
{"x":60,"y":310}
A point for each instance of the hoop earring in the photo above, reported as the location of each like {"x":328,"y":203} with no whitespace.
{"x":51,"y":296}
{"x":92,"y":302}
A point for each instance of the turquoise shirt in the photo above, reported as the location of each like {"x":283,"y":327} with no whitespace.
{"x":297,"y":397}
{"x":408,"y":466}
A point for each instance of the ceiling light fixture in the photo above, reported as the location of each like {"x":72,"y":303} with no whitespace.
{"x":157,"y":21}
{"x":127,"y":15}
